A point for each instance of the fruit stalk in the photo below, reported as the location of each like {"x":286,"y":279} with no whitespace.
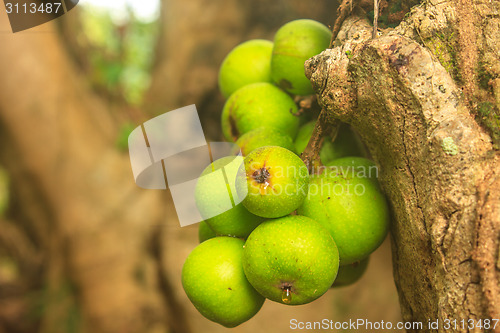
{"x":310,"y":156}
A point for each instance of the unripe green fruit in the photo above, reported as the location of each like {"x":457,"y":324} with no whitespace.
{"x":214,"y":281}
{"x":217,"y":202}
{"x":261,"y":137}
{"x":349,"y":274}
{"x":249,"y":62}
{"x":259,"y":105}
{"x":272,"y":181}
{"x":294,"y":43}
{"x":205,"y":232}
{"x":353,"y":209}
{"x":291,"y":260}
{"x":346,"y":143}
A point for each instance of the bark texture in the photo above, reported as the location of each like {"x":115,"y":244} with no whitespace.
{"x":412,"y":94}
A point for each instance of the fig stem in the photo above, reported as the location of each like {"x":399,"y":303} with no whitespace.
{"x":310,"y":155}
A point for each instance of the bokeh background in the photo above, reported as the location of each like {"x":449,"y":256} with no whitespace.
{"x":82,"y":249}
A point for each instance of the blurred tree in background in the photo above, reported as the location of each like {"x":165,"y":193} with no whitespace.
{"x":82,"y":248}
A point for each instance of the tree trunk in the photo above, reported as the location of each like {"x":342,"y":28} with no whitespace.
{"x":417,"y":94}
{"x":71,"y":187}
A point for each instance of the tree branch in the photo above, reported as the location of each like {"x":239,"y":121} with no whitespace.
{"x":343,"y":12}
{"x":434,"y":162}
{"x":375,"y":18}
{"x":310,"y":155}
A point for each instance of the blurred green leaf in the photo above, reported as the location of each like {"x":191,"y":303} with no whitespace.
{"x":120,"y":55}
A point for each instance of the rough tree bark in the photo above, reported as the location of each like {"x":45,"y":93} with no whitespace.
{"x":415,"y":94}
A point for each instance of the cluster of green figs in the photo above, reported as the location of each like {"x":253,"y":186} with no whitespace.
{"x":291,"y":233}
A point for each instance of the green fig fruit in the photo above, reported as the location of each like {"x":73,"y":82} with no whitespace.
{"x":291,"y":260}
{"x":347,"y":143}
{"x":205,"y":232}
{"x":249,"y":62}
{"x":294,"y":43}
{"x":259,"y":105}
{"x":263,"y":136}
{"x":355,"y":166}
{"x":349,"y":274}
{"x":214,"y":281}
{"x":353,"y":209}
{"x":217,"y":202}
{"x":272,"y":181}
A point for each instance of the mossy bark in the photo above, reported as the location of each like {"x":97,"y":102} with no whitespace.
{"x":439,"y":167}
